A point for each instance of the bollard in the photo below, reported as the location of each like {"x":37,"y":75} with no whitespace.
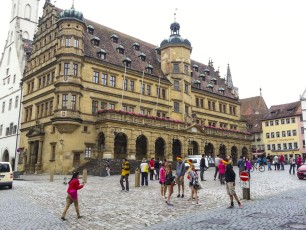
{"x":246,"y":194}
{"x":51,"y":175}
{"x":85,"y":175}
{"x":137,"y":178}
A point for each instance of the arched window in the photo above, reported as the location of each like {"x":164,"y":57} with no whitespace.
{"x":27,"y":11}
{"x":25,"y":35}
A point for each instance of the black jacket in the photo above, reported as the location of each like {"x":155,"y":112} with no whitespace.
{"x":230,"y":175}
{"x":202,"y":162}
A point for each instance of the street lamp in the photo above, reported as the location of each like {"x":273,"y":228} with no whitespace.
{"x":61,"y":141}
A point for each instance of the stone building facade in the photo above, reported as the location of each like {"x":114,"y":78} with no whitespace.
{"x":92,"y":92}
{"x":22,"y":25}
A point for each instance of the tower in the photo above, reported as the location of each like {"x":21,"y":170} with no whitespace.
{"x":22,"y":25}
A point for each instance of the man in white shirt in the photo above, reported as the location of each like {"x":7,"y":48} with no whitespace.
{"x":217,"y":161}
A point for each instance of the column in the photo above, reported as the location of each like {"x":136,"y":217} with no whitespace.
{"x":109,"y":144}
{"x":131,"y":154}
{"x":151,"y":147}
{"x":29,"y":155}
{"x":39,"y":157}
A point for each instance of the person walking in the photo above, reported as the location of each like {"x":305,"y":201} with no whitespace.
{"x":230,"y":177}
{"x":221,"y":168}
{"x":156,"y":169}
{"x":169,"y":183}
{"x":72,"y":197}
{"x":299,"y":161}
{"x":125,"y":172}
{"x":162,"y":180}
{"x":151,"y":165}
{"x":194,"y":183}
{"x":292,"y":164}
{"x":180,"y":173}
{"x":282,"y":162}
{"x":202,"y":167}
{"x":144,"y":169}
{"x":269,"y":160}
{"x":217,"y":161}
{"x":107,"y":167}
{"x":241,"y":164}
{"x":248,"y":166}
{"x":276,"y":162}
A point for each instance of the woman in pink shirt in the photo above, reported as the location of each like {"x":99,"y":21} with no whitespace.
{"x":221,"y":168}
{"x":162,"y":180}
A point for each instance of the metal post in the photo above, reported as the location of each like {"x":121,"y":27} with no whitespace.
{"x":85,"y":175}
{"x":51,"y":176}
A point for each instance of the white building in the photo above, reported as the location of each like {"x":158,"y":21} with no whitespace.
{"x":23,"y":23}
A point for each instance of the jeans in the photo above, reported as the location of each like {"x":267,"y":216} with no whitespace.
{"x":216,"y":172}
{"x":151,"y":174}
{"x":202,"y":173}
{"x":269,"y":166}
{"x":126,"y":177}
{"x":144,"y":178}
{"x":282,"y":166}
{"x":157,"y":173}
{"x":292,"y":166}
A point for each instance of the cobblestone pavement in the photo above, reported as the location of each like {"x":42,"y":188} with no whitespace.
{"x":36,"y":203}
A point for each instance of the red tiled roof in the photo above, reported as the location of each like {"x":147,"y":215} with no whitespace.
{"x":284,"y":110}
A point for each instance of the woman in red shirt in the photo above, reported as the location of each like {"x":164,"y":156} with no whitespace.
{"x":72,"y":197}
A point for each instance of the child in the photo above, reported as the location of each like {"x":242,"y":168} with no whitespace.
{"x":162,"y":180}
{"x":169,"y":182}
{"x":194,"y":183}
{"x":72,"y":197}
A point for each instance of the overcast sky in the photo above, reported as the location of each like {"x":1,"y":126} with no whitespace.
{"x":264,"y":41}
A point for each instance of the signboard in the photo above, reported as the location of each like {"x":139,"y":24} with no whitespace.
{"x":244,"y":180}
{"x":245,"y":184}
{"x":244,"y":176}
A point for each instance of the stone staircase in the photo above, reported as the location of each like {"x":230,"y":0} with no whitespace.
{"x":96,"y":167}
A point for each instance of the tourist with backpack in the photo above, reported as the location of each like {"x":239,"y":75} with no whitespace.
{"x":125,"y":172}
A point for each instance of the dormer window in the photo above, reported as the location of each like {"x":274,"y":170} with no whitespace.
{"x":136,"y":46}
{"x":95,"y":41}
{"x":206,"y":71}
{"x":157,"y":50}
{"x":191,"y":74}
{"x":102,"y":54}
{"x":202,"y":76}
{"x":142,"y":56}
{"x":127,"y":62}
{"x":213,"y":80}
{"x":90,"y":29}
{"x":197,"y":83}
{"x":195,"y":67}
{"x":114,"y":38}
{"x":210,"y":87}
{"x":120,"y":49}
{"x":149,"y":69}
{"x":221,"y":90}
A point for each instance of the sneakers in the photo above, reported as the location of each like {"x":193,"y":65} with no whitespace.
{"x":79,"y":217}
{"x":182,"y":196}
{"x":63,"y":218}
{"x":168,"y":203}
{"x":231,"y":206}
{"x":178,"y":196}
{"x":240,"y":205}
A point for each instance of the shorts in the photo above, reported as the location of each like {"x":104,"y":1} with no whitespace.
{"x":179,"y":181}
{"x":230,"y":188}
{"x":162,"y":184}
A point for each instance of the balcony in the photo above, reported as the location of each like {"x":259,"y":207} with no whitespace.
{"x":168,"y":123}
{"x":66,"y":121}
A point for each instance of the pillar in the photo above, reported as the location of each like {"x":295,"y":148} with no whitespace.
{"x":109,"y":144}
{"x":131,"y":154}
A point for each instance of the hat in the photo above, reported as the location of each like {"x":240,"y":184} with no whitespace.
{"x":144,"y":160}
{"x":179,"y":158}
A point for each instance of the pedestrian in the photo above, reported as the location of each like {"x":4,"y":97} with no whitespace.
{"x":248,"y":166}
{"x":221,"y":167}
{"x":125,"y":172}
{"x":202,"y":167}
{"x":190,"y":163}
{"x":282,"y":162}
{"x":230,"y":177}
{"x":169,"y":183}
{"x":292,"y":164}
{"x":151,"y":165}
{"x":217,"y":161}
{"x":269,"y":160}
{"x":107,"y":167}
{"x":241,"y":164}
{"x":276,"y":162}
{"x":72,"y":197}
{"x":156,"y":169}
{"x":162,"y":180}
{"x":144,"y":169}
{"x":194,"y":183}
{"x":299,"y":161}
{"x":180,"y":173}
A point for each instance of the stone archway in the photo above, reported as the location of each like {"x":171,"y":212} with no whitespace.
{"x":160,"y":148}
{"x":141,"y":147}
{"x":120,"y":146}
{"x":101,"y":142}
{"x":244,"y":152}
{"x":6,"y":156}
{"x":234,"y":154}
{"x":222,"y":151}
{"x":176,"y":148}
{"x":209,"y":150}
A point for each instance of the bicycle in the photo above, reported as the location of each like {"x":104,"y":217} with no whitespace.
{"x":261,"y":168}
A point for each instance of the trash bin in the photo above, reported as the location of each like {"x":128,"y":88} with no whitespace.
{"x":137,"y":178}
